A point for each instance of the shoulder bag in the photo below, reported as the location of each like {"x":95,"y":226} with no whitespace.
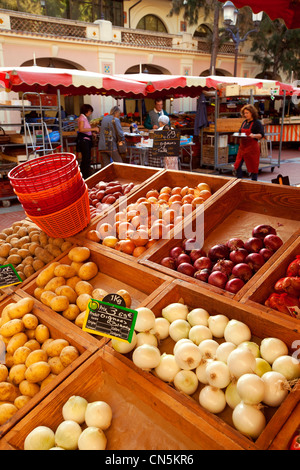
{"x":121,"y":144}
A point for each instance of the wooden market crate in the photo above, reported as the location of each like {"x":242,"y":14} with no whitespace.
{"x":171,"y":178}
{"x":142,"y":284}
{"x":124,"y":173}
{"x":145,"y":417}
{"x":241,"y":207}
{"x":261,"y":326}
{"x":260,"y":291}
{"x":208,"y":155}
{"x":59,"y":328}
{"x":229,"y":124}
{"x":284,"y":438}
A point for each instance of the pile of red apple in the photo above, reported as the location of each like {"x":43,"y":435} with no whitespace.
{"x":104,"y":194}
{"x":227,"y":266}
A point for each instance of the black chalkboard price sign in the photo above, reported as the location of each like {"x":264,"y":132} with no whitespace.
{"x":166,"y":143}
{"x":110,"y":318}
{"x":9,"y":276}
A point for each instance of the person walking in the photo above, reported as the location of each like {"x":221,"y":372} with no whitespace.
{"x":151,"y":121}
{"x":85,"y":139}
{"x":111,"y":132}
{"x":249,"y":148}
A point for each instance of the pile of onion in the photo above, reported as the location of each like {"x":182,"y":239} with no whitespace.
{"x":214,"y":359}
{"x":227,"y":265}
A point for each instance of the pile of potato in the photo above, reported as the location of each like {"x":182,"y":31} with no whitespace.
{"x":28,"y":248}
{"x":32,"y":357}
{"x":66,"y":289}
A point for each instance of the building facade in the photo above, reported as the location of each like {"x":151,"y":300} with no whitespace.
{"x":112,"y":37}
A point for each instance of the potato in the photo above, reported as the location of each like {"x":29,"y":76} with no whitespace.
{"x":47,"y":296}
{"x":126,"y":296}
{"x":32,"y":344}
{"x":88,"y":271}
{"x":36,"y":356}
{"x":23,"y":253}
{"x":82,"y":301}
{"x":20,"y":308}
{"x":64,"y":270}
{"x":21,"y":275}
{"x":12,"y":327}
{"x":43,"y":239}
{"x":47,"y":380}
{"x":59,"y":303}
{"x":9,"y":360}
{"x":22,"y":232}
{"x":7,"y":410}
{"x":45,"y":343}
{"x":28,"y":389}
{"x":8,"y":392}
{"x":65,"y":246}
{"x":30,"y":334}
{"x":21,"y":401}
{"x":79,"y":254}
{"x":68,"y":292}
{"x":17,"y":374}
{"x":84,"y":287}
{"x":58,"y":242}
{"x":37,"y":264}
{"x":71,"y":312}
{"x":54,"y":250}
{"x":16,"y":342}
{"x":14,"y":259}
{"x":99,"y":294}
{"x":43,"y":255}
{"x":8,"y":231}
{"x":76,"y":266}
{"x":55,"y":283}
{"x":68,"y":355}
{"x":56,"y":346}
{"x":21,"y":354}
{"x":80,"y":319}
{"x":28,"y":271}
{"x":30,"y":321}
{"x":42,"y":333}
{"x":73,"y":281}
{"x":38,"y":292}
{"x":5,"y":249}
{"x":3,"y":372}
{"x":32,"y":247}
{"x":56,"y":365}
{"x":14,"y":251}
{"x":22,"y":241}
{"x":28,"y":261}
{"x":48,"y":273}
{"x":37,"y":372}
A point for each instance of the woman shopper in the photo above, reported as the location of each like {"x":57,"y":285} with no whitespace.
{"x":111,"y":132}
{"x":85,"y":139}
{"x":249,"y":148}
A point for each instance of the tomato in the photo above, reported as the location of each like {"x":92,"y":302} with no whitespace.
{"x":295,"y":445}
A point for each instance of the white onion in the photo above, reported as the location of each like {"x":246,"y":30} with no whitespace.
{"x":74,"y":409}
{"x":240,"y":362}
{"x":276,"y":388}
{"x":175,"y":311}
{"x":237,"y":332}
{"x":40,"y":438}
{"x":98,"y":414}
{"x":67,"y":435}
{"x":262,"y":367}
{"x":218,"y":374}
{"x":186,"y":381}
{"x":201,"y":370}
{"x":145,"y":319}
{"x":188,"y":356}
{"x":224,"y":350}
{"x":167,"y":368}
{"x":208,"y":348}
{"x":288,"y":366}
{"x":272,"y":348}
{"x":251,"y":389}
{"x":92,"y":438}
{"x":179,"y":329}
{"x":146,"y":338}
{"x":232,"y":396}
{"x":199,"y":333}
{"x":123,"y":347}
{"x":146,"y":357}
{"x":181,"y":341}
{"x":249,"y":420}
{"x":212,"y":399}
{"x":253,"y":347}
{"x":198,"y":316}
{"x":161,"y":328}
{"x":217,"y":325}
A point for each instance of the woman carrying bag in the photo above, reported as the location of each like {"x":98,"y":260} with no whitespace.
{"x":249,"y":148}
{"x":85,"y":139}
{"x":111,"y":136}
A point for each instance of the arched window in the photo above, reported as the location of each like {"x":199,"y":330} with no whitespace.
{"x":152,"y":23}
{"x":203,"y":32}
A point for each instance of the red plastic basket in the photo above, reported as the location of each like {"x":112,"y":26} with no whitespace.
{"x":67,"y":222}
{"x":44,"y":172}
